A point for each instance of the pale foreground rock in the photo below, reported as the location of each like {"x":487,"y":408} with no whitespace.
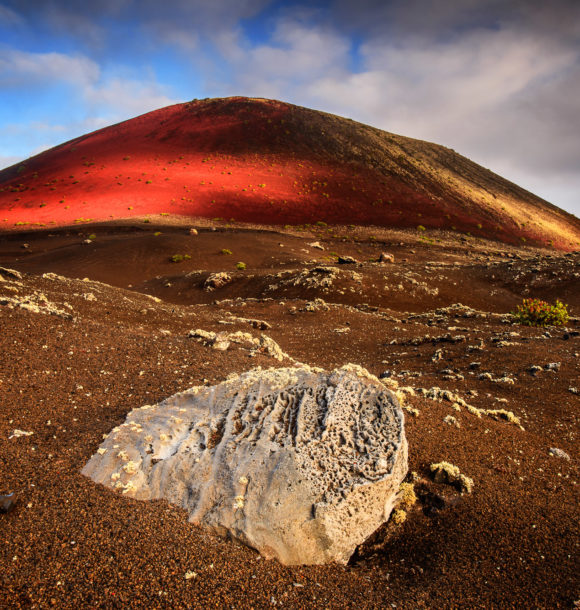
{"x":299,"y":463}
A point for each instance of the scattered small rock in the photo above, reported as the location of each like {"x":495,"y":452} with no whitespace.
{"x":216,"y":280}
{"x":316,"y":305}
{"x":257,"y":324}
{"x":559,"y":453}
{"x":452,"y":421}
{"x":347,"y":260}
{"x":386,"y":258}
{"x":222,"y":341}
{"x":444,"y":472}
{"x":7,"y":503}
{"x":11,"y":274}
{"x":19,"y":433}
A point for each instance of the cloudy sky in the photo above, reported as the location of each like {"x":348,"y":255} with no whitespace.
{"x":497,"y":80}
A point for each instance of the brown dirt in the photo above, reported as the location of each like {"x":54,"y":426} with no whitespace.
{"x":69,"y":379}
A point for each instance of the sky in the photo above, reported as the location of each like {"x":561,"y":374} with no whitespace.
{"x":496,"y":80}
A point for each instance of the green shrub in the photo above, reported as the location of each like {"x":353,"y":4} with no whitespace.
{"x":92,"y":236}
{"x":421,"y":228}
{"x":179,"y":258}
{"x":241,"y":266}
{"x":225,"y":251}
{"x":534,"y":312}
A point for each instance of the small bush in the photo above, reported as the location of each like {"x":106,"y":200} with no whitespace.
{"x":92,"y":236}
{"x":241,"y":266}
{"x":179,"y":258}
{"x":534,"y":312}
{"x":225,"y":251}
{"x":421,"y":228}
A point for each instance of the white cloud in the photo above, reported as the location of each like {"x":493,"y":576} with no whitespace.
{"x":505,"y":96}
{"x":124,"y":98}
{"x":20,"y":69}
{"x":295,"y":57}
{"x":114,"y":96}
{"x":92,"y":100}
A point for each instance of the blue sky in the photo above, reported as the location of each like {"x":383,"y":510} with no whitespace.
{"x":497,"y":80}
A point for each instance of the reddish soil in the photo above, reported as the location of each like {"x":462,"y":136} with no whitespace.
{"x":266,"y":161}
{"x":71,"y":376}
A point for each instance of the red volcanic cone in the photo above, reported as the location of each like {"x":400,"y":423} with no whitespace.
{"x":269,"y":162}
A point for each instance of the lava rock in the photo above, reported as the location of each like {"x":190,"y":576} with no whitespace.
{"x":7,"y":503}
{"x":347,"y":260}
{"x":298,"y":463}
{"x":386,"y":258}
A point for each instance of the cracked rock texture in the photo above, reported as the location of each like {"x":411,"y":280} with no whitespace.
{"x":298,"y":463}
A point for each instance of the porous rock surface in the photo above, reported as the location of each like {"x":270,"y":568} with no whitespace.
{"x":298,"y":463}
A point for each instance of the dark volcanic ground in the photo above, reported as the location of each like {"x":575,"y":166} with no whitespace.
{"x":77,"y":355}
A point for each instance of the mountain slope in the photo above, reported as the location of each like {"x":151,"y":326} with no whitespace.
{"x":266,"y":161}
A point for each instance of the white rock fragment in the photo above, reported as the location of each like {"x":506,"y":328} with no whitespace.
{"x":444,"y":472}
{"x":559,"y":453}
{"x":216,"y":280}
{"x":222,"y":341}
{"x":35,"y":303}
{"x":19,"y":433}
{"x":452,"y":421}
{"x":299,"y":463}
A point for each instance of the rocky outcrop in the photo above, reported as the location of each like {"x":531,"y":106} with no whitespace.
{"x":216,"y":280}
{"x":222,"y":341}
{"x":298,"y":463}
{"x":386,"y":258}
{"x":347,"y":260}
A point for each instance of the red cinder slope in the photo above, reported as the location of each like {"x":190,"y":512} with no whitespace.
{"x":266,"y":161}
